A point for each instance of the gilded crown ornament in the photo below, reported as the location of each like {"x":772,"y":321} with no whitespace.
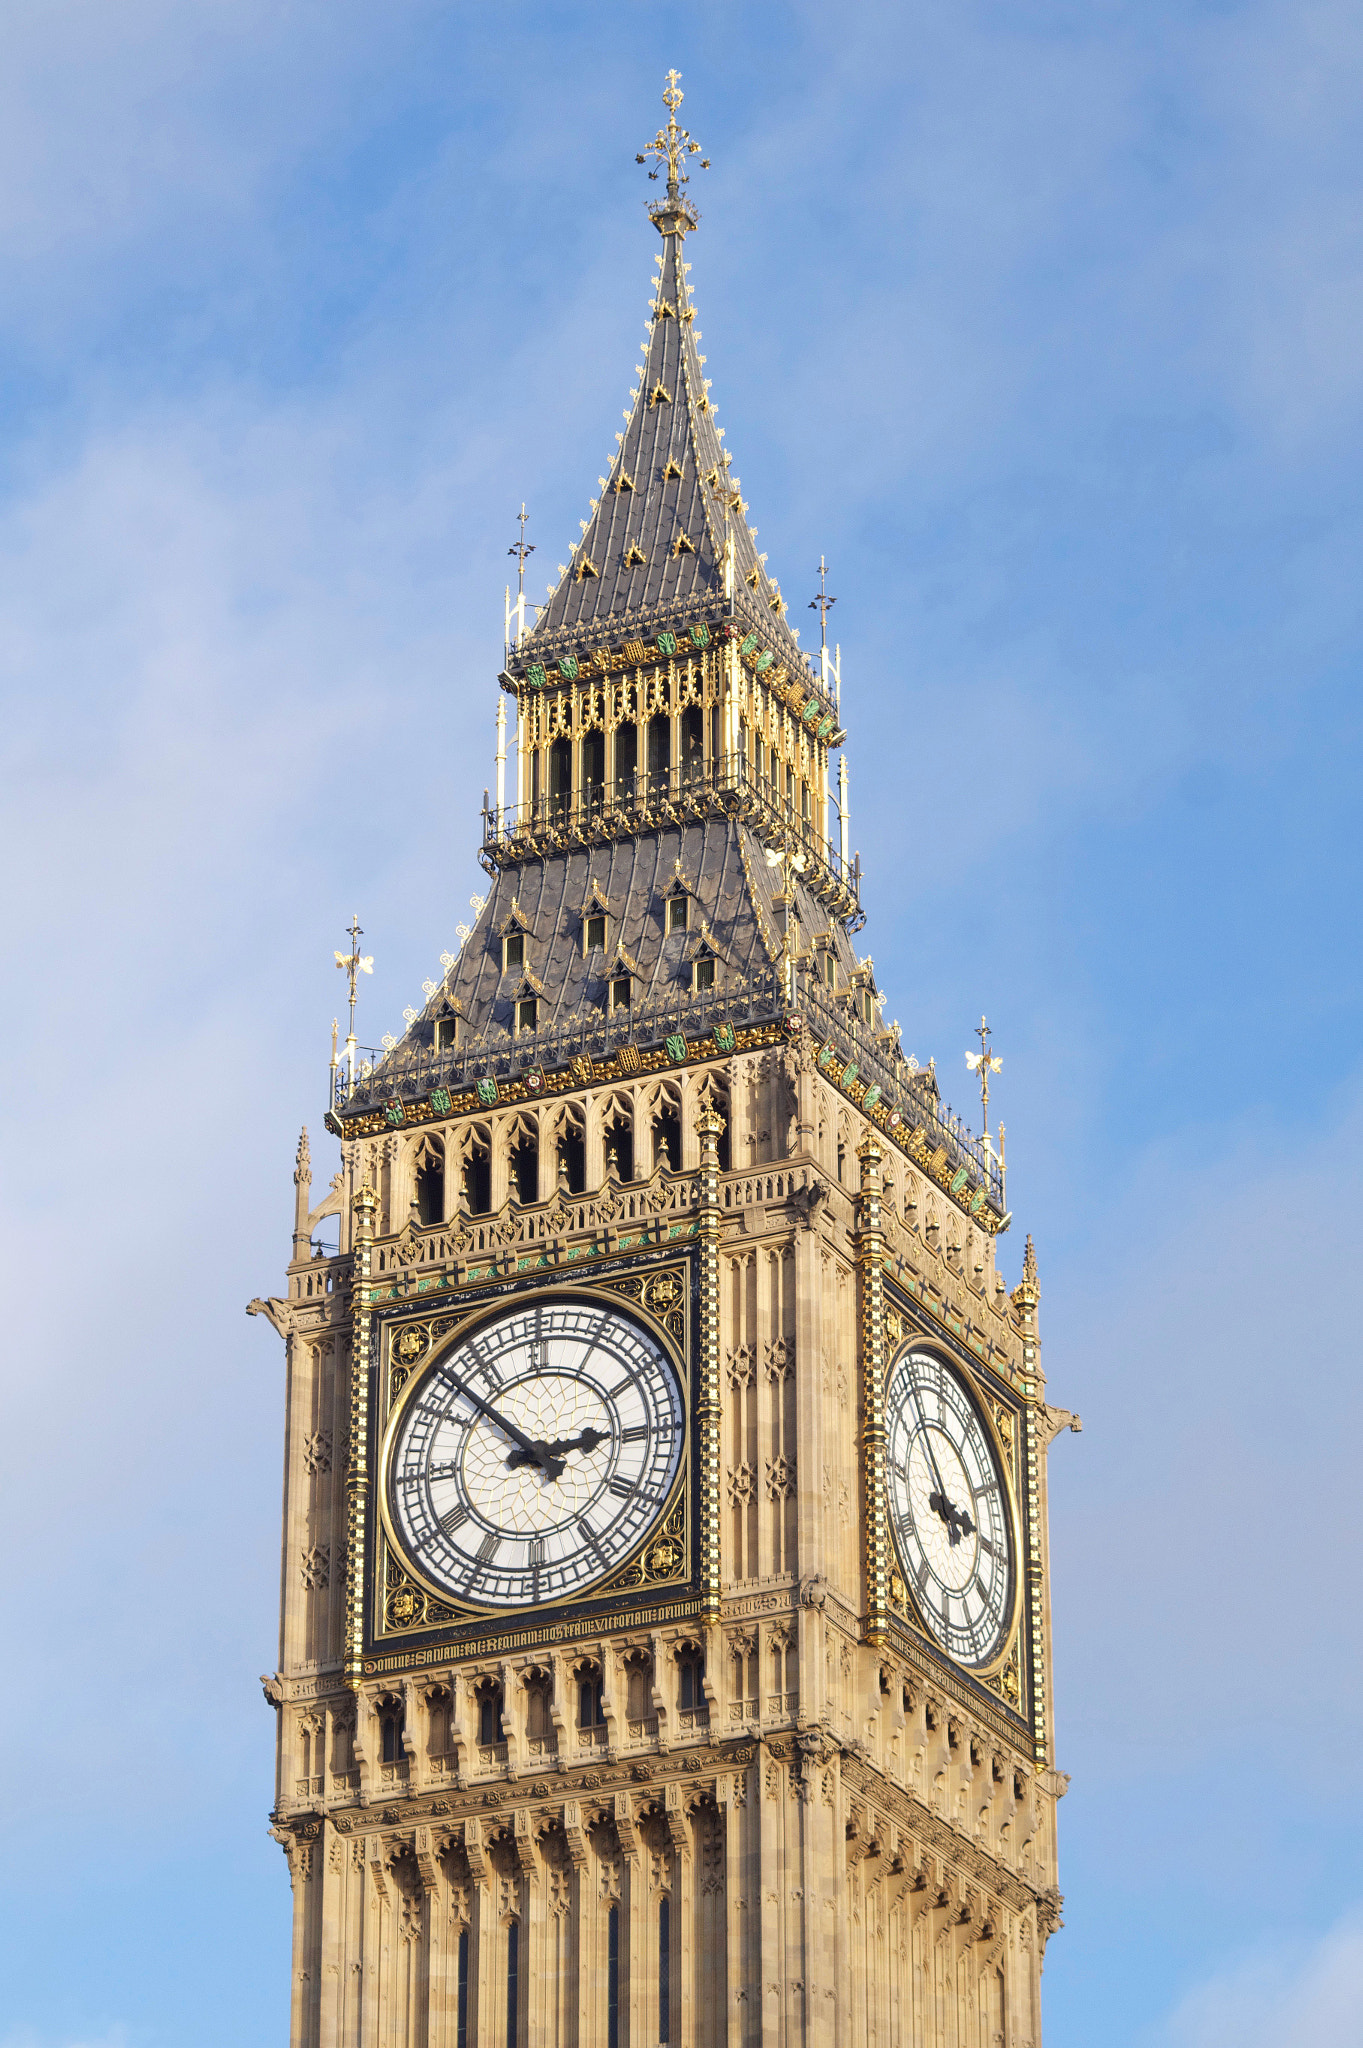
{"x":671,"y":146}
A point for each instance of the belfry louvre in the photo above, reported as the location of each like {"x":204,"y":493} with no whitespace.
{"x":665,"y":1639}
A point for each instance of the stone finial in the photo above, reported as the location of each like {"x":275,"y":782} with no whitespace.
{"x":365,"y":1203}
{"x":302,"y":1170}
{"x":1029,"y":1262}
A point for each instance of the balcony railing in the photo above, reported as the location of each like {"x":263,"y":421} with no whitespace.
{"x":412,"y":1071}
{"x":642,"y":801}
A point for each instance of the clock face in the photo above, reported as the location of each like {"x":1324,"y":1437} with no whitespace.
{"x":533,"y":1457}
{"x":950,"y":1509}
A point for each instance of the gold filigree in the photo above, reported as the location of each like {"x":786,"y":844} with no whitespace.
{"x":411,"y":1343}
{"x":662,"y":1294}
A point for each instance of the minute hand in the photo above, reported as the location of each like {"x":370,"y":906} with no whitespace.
{"x":535,"y":1454}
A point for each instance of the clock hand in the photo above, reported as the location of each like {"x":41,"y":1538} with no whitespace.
{"x":957,"y":1521}
{"x":585,"y":1440}
{"x":528,"y":1452}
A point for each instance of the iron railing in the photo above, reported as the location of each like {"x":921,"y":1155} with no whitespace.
{"x":411,"y":1071}
{"x":729,"y":784}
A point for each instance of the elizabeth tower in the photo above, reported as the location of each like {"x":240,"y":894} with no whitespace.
{"x":665,"y":1648}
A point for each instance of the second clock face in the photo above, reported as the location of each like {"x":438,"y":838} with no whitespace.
{"x":534,"y":1457}
{"x":950,"y":1509}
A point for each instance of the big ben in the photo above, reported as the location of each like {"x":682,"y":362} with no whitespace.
{"x":665,"y":1636}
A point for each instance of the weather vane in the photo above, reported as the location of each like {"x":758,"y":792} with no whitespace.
{"x":984,"y":1063}
{"x":672,"y":145}
{"x":354,"y":966}
{"x":823,"y":604}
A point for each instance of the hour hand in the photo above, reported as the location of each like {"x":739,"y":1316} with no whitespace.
{"x":549,"y":1457}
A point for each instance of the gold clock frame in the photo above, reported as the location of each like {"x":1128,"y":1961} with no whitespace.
{"x":606,"y":1297}
{"x":933,"y":1348}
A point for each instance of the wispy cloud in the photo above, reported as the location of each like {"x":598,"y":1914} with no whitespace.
{"x":1298,"y":1995}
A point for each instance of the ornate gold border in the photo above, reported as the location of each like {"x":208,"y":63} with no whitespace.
{"x":664,"y":1527}
{"x":1003,"y":1460}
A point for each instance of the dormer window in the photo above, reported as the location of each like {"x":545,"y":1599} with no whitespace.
{"x":527,"y":1013}
{"x":620,"y":992}
{"x":594,"y":934}
{"x":446,"y":1033}
{"x":703,"y":972}
{"x":513,"y":951}
{"x":678,"y":913}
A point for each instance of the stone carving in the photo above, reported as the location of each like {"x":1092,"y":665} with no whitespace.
{"x":317,"y":1451}
{"x":315,"y":1567}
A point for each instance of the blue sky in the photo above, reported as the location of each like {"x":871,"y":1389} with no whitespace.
{"x":1041,"y":322}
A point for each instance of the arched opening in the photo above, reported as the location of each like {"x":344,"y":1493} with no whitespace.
{"x":572,"y":1161}
{"x":525,"y":1167}
{"x":690,"y":1678}
{"x":560,"y":776}
{"x":591,"y":1711}
{"x":619,"y":1150}
{"x":390,"y":1731}
{"x":667,"y":1139}
{"x":430,"y":1185}
{"x":477,"y":1178}
{"x":593,"y":767}
{"x":659,"y":750}
{"x":489,"y":1715}
{"x":692,"y":742}
{"x":626,"y":760}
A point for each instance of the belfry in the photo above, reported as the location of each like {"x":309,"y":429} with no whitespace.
{"x":665,"y":1644}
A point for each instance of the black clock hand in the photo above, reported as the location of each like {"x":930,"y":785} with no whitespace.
{"x":957,"y":1520}
{"x":528,"y":1452}
{"x":585,"y":1440}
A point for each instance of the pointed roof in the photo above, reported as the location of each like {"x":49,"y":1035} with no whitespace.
{"x":652,"y":551}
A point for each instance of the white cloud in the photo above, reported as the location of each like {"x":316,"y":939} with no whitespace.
{"x":1299,"y":1996}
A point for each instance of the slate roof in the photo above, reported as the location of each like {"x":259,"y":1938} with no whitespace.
{"x":732,"y":890}
{"x":668,"y":491}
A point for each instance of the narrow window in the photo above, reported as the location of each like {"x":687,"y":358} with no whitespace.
{"x":430,"y":1191}
{"x":513,"y":951}
{"x":677,"y":908}
{"x":613,"y":1978}
{"x":692,"y":740}
{"x":490,"y":1717}
{"x":446,"y":1033}
{"x":705,"y":973}
{"x":593,"y":766}
{"x":392,"y":1736}
{"x":527,"y":1013}
{"x":620,"y":993}
{"x":804,"y":802}
{"x":664,"y":1969}
{"x":513,"y":1947}
{"x":591,"y":1712}
{"x":626,"y":760}
{"x":596,"y":932}
{"x":461,"y":2025}
{"x":525,"y":1169}
{"x":790,"y":786}
{"x":659,"y":747}
{"x":560,"y":776}
{"x":572,"y":1160}
{"x":478,"y":1183}
{"x":830,"y":970}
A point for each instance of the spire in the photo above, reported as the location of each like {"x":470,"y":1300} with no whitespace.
{"x":666,"y":546}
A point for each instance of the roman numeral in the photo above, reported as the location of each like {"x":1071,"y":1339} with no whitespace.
{"x":488,"y":1548}
{"x":455,"y":1519}
{"x":635,"y":1435}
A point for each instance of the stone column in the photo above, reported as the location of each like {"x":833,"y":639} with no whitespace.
{"x":364,"y":1206}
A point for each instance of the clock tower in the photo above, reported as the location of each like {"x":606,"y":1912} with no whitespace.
{"x":665,"y":1640}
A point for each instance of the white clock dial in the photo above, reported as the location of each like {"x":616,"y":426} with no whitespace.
{"x":531,"y":1459}
{"x":950,"y":1509}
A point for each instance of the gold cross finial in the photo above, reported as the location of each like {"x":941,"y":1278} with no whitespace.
{"x":671,"y":146}
{"x":984,"y":1063}
{"x":353,"y":964}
